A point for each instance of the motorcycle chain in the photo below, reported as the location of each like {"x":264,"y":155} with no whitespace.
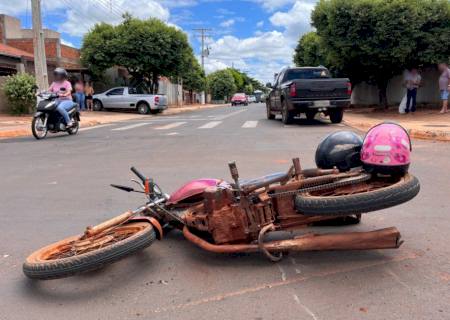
{"x":333,"y":185}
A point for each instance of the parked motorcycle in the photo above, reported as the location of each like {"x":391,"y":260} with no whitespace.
{"x":232,"y":217}
{"x":47,"y":118}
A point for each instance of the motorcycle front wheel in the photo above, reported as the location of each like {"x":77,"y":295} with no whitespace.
{"x":74,"y":255}
{"x":38,"y":129}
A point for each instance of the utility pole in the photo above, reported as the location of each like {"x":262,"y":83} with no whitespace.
{"x":202,"y":33}
{"x":40,"y":61}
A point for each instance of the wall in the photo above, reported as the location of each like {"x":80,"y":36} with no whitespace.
{"x":366,"y":94}
{"x":173,"y":91}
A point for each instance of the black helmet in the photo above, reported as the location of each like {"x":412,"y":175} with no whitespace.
{"x":60,"y":72}
{"x":339,"y":149}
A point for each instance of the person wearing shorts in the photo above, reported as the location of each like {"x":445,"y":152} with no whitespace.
{"x":444,"y":85}
{"x":89,"y":92}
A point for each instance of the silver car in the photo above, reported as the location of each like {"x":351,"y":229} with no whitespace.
{"x":130,"y":98}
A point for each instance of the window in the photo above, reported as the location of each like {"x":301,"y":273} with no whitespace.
{"x":316,"y":73}
{"x":116,"y":92}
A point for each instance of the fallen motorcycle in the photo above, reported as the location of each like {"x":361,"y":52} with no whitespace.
{"x":235,"y":217}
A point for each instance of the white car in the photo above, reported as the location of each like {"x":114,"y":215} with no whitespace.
{"x":130,"y":98}
{"x":251,"y":99}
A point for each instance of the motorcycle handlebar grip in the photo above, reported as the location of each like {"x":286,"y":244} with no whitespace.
{"x":138,"y":174}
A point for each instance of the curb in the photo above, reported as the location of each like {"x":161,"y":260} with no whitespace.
{"x":414,"y":133}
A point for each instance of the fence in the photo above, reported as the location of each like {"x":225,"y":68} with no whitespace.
{"x":173,"y":92}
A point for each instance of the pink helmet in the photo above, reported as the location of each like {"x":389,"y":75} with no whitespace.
{"x":386,"y":149}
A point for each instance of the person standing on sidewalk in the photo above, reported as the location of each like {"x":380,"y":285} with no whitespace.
{"x":444,"y":85}
{"x":412,"y":83}
{"x":79,"y":95}
{"x":89,"y":92}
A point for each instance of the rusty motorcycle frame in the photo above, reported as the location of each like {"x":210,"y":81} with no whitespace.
{"x":220,"y":217}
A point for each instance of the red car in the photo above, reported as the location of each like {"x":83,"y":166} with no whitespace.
{"x":239,"y":99}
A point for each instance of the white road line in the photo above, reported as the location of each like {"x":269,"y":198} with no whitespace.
{"x":250,"y":124}
{"x":230,"y":114}
{"x":210,"y":125}
{"x":170,"y":126}
{"x":95,"y":127}
{"x":171,"y":134}
{"x":131,"y":126}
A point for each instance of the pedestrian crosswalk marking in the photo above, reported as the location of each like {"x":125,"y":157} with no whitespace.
{"x":210,"y":125}
{"x":250,"y":124}
{"x":170,"y":125}
{"x":131,"y":126}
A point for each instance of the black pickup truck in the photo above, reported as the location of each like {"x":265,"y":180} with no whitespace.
{"x":308,"y":90}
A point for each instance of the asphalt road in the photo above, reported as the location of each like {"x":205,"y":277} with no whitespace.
{"x":54,"y":188}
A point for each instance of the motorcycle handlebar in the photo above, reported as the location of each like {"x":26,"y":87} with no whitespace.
{"x":138,"y":174}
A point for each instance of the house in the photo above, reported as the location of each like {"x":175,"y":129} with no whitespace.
{"x":17,"y":50}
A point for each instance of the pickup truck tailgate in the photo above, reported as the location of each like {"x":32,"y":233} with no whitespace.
{"x":320,"y":89}
{"x":163,"y":100}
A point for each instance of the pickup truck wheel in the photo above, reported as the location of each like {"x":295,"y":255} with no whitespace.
{"x":286,"y":116}
{"x":98,"y":106}
{"x":336,"y":115}
{"x":143,"y":108}
{"x":270,"y":115}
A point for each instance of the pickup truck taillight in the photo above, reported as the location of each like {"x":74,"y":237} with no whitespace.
{"x":293,"y":90}
{"x":349,"y":88}
{"x":156,"y":100}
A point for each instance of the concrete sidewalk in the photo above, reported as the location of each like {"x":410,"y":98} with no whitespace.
{"x":18,"y":126}
{"x":423,"y":124}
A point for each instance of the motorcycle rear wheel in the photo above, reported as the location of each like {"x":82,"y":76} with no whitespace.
{"x":74,"y":129}
{"x":365,"y":197}
{"x":72,"y":256}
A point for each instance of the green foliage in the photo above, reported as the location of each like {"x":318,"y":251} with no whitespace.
{"x":221,"y":84}
{"x":20,"y":90}
{"x":194,"y":79}
{"x":239,"y":78}
{"x":309,"y":52}
{"x":147,"y":48}
{"x":373,"y":40}
{"x":248,"y":89}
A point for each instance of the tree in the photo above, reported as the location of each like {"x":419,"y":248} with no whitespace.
{"x":309,"y":51}
{"x":148,"y":49}
{"x":373,"y":40}
{"x":221,"y":84}
{"x":194,"y":79}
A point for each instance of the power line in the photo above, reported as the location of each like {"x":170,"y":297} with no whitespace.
{"x":202,"y":33}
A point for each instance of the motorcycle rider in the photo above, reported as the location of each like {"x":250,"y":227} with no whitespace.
{"x":64,"y":102}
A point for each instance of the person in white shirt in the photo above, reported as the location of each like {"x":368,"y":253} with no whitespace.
{"x":412,"y":83}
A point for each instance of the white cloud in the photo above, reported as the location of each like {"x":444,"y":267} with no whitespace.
{"x":271,"y":5}
{"x":265,"y":53}
{"x":296,"y":21}
{"x":260,"y":24}
{"x":82,"y":17}
{"x":67,"y":43}
{"x":227,"y":23}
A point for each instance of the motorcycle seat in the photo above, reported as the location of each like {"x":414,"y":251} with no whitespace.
{"x":270,"y":177}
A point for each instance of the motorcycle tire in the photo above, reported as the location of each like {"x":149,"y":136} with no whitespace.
{"x":400,"y":192}
{"x":39,"y":266}
{"x":35,"y":132}
{"x":74,"y":129}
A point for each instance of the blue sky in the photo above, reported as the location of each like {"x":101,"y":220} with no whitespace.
{"x":256,"y":36}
